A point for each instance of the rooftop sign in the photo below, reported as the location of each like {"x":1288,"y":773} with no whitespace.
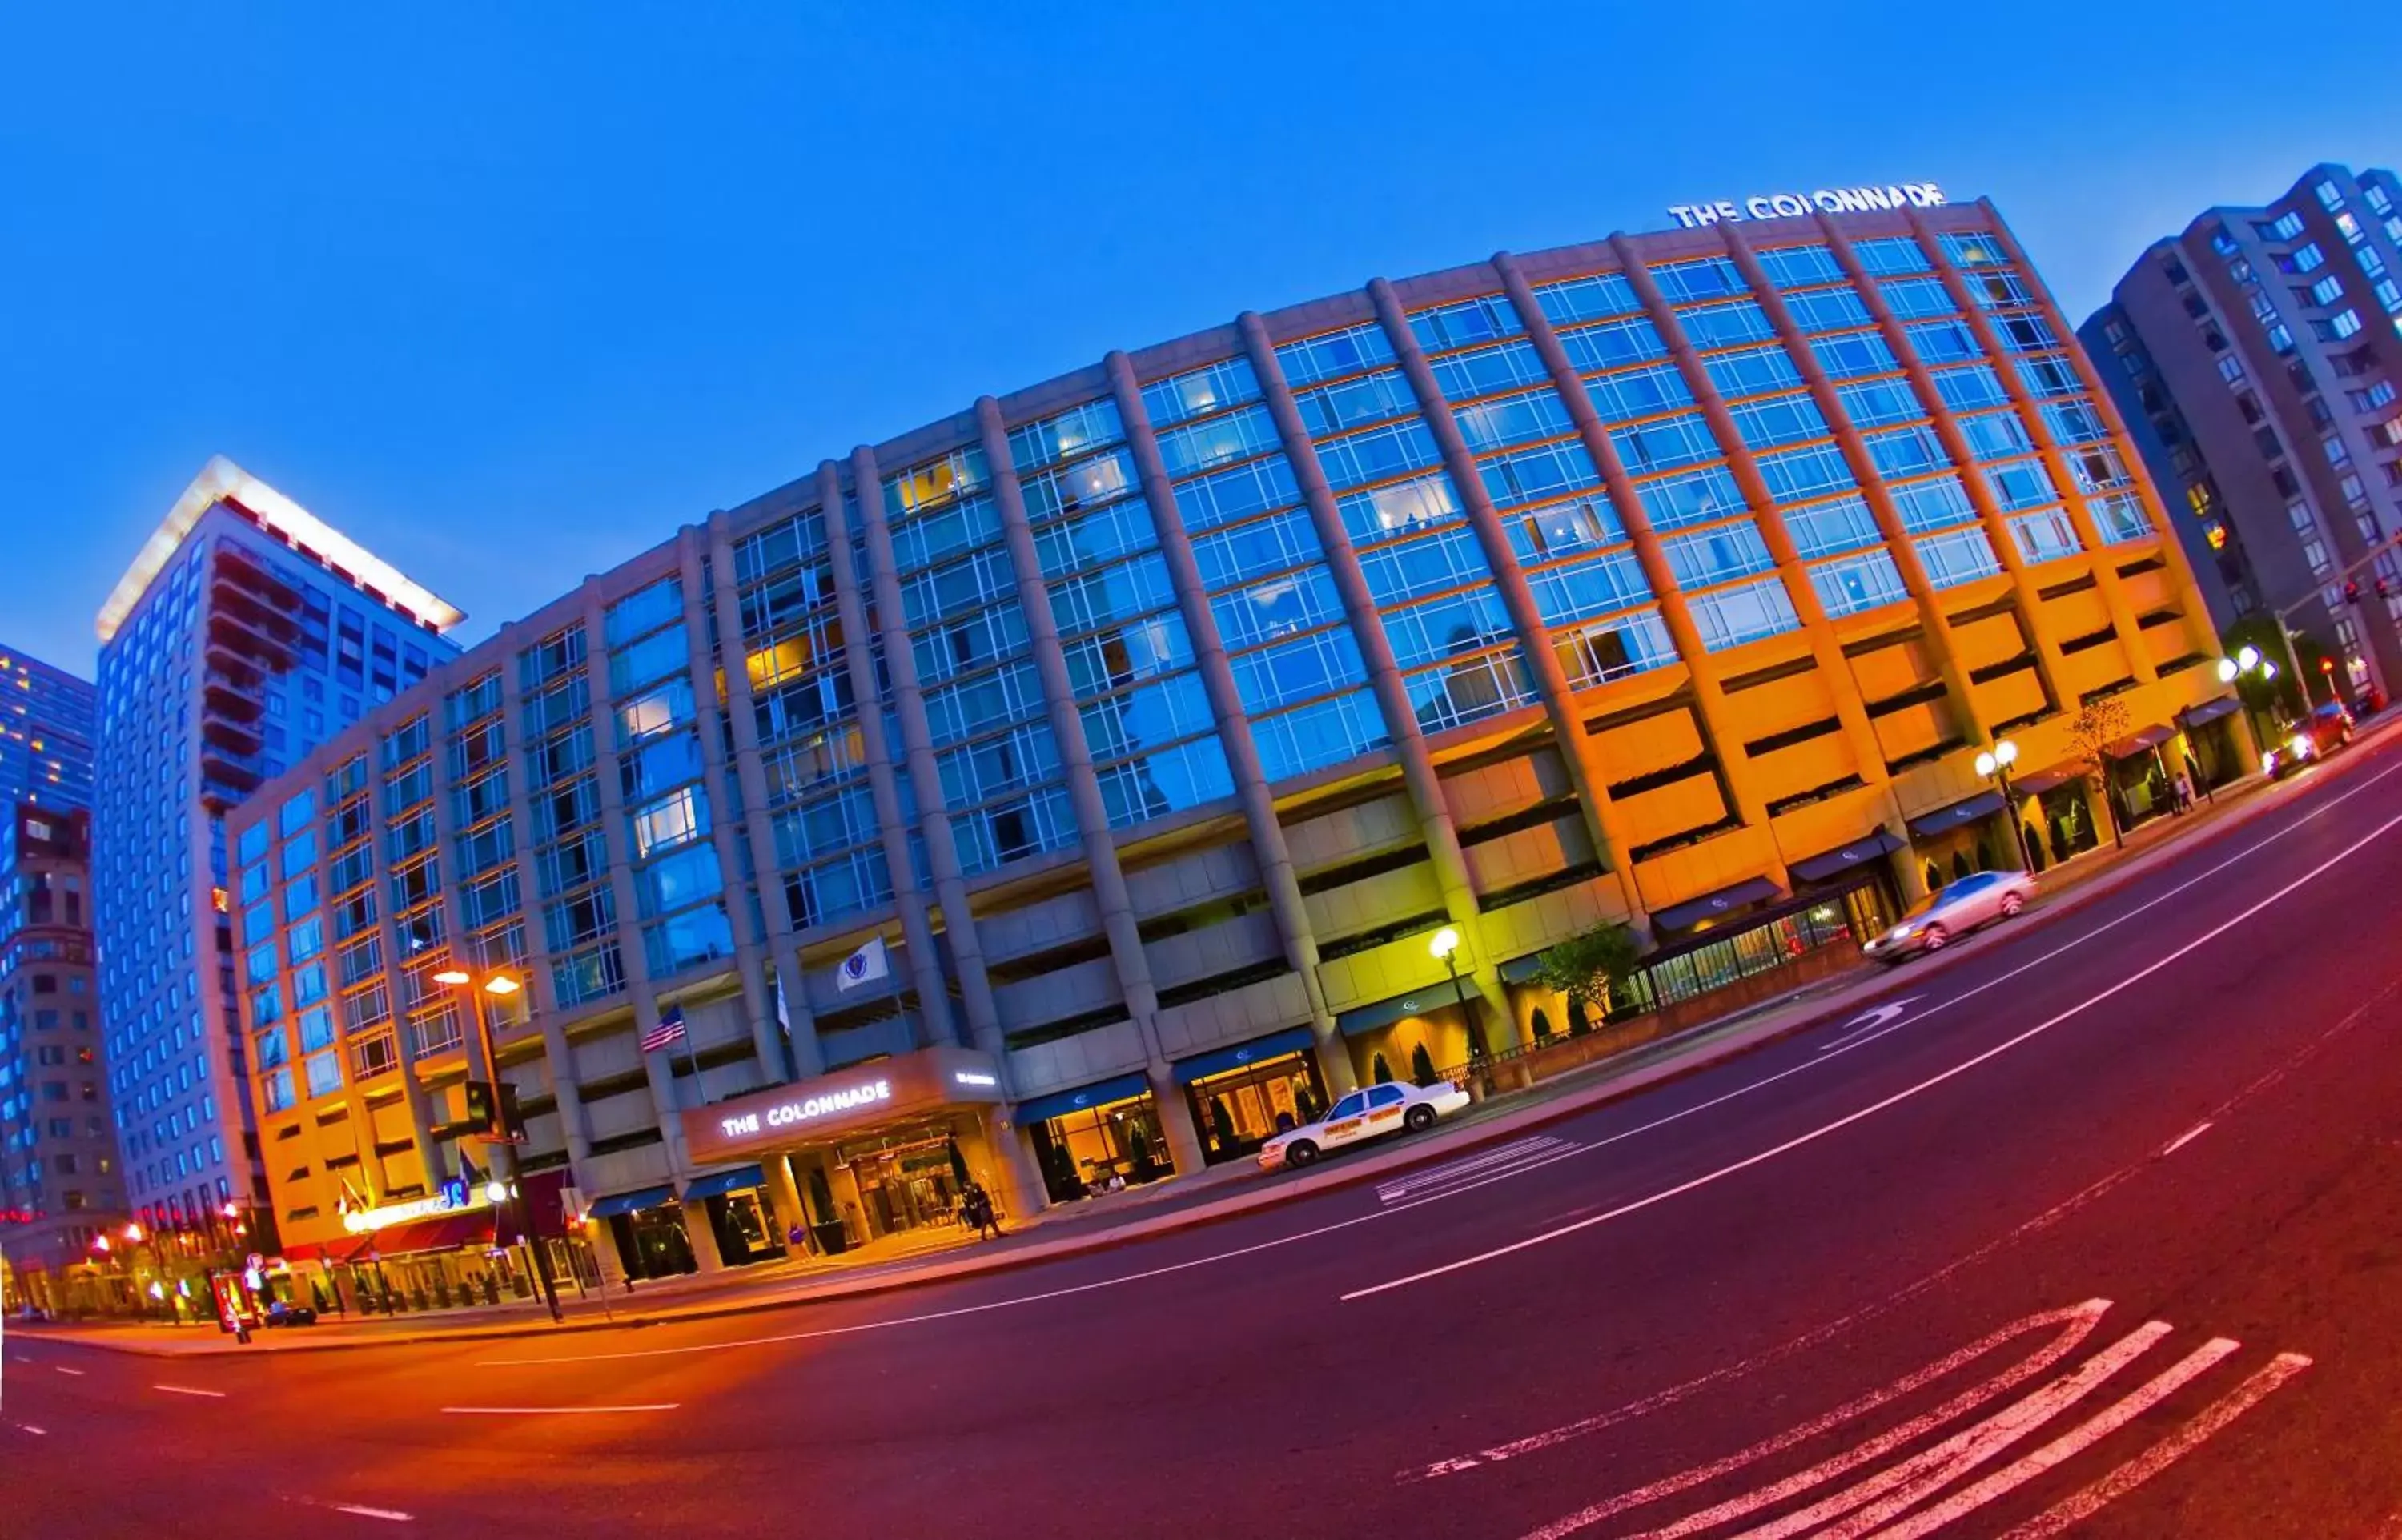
{"x":1789,"y":205}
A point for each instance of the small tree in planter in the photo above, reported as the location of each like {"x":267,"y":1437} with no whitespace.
{"x":1959,"y":864}
{"x":1382,"y":1071}
{"x":1421,"y":1065}
{"x":1934,"y":876}
{"x":2098,"y":723}
{"x":1585,"y":966}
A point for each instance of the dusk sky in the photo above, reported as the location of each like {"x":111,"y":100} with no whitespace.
{"x":509,"y":299}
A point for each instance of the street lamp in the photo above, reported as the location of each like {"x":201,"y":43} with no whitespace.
{"x":1995,"y":766}
{"x":502,"y":1191}
{"x":1444,"y":944}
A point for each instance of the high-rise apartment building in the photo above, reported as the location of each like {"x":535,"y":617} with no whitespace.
{"x":2256,"y":357}
{"x":246,"y":633}
{"x":46,"y":733}
{"x":1075,"y":788}
{"x":60,"y":1183}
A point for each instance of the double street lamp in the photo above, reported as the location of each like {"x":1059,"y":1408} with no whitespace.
{"x":1995,"y":766}
{"x":1444,"y":944}
{"x":501,"y":1191}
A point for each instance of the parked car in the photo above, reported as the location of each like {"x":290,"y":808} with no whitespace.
{"x":2327,"y":729}
{"x":284,"y":1312}
{"x":1370,"y":1112}
{"x":1953,"y":910}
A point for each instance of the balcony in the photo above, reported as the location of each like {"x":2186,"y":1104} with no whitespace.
{"x":232,"y":699}
{"x":244,"y":570}
{"x":227,"y":778}
{"x":229,"y":630}
{"x":239,"y":737}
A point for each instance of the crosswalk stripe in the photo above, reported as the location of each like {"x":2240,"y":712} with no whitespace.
{"x":1535,"y":1148}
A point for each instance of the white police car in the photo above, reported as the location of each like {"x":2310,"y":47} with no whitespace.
{"x":1370,"y":1112}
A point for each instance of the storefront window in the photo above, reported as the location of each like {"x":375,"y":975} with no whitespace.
{"x":1101,"y":1148}
{"x":1713,"y":963}
{"x":652,"y":1244}
{"x":1239,"y":1110}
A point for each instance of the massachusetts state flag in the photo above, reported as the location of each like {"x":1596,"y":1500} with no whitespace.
{"x":670,"y":1030}
{"x":866,"y":963}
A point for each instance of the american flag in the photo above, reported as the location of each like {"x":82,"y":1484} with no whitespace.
{"x":670,"y":1030}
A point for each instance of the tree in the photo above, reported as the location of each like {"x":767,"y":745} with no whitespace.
{"x":2098,"y":723}
{"x":1383,"y":1072}
{"x":1421,"y":1065}
{"x":1934,"y":875}
{"x":1960,"y":866}
{"x":2035,"y":846}
{"x":1584,"y":967}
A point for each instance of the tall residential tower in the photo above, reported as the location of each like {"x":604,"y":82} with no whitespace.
{"x":46,"y":733}
{"x":246,"y":633}
{"x":2256,"y":358}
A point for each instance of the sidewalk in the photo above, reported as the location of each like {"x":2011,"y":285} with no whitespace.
{"x":1238,"y":1187}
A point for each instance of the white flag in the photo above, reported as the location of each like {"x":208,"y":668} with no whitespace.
{"x":863,"y":965}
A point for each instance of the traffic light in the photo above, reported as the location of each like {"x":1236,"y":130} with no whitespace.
{"x":2352,"y":590}
{"x":2326,"y":666}
{"x":2381,"y":588}
{"x":475,"y":1108}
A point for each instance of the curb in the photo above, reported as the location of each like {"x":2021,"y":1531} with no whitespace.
{"x":1633,"y":1083}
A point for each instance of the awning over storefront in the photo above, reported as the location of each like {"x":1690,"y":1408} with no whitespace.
{"x":718,"y":1184}
{"x":1292,"y":1040}
{"x":2151,"y":737}
{"x":2210,"y":711}
{"x":1677,"y":916}
{"x":1984,"y":804}
{"x":1361,"y":1019}
{"x":629,"y":1203}
{"x":1858,"y":852}
{"x":1522,"y":969}
{"x":2046,"y":780}
{"x":1060,"y":1102}
{"x":350,"y":1248}
{"x":443,"y":1232}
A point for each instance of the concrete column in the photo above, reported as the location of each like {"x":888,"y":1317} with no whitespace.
{"x":868,"y":706}
{"x":540,"y":996}
{"x":2101,"y":560}
{"x":784,"y":1194}
{"x":1579,"y":753}
{"x":1076,"y":770}
{"x":1418,"y":777}
{"x":2050,"y":668}
{"x":1268,"y":847}
{"x":702,"y":1234}
{"x":916,"y":746}
{"x":1013,"y":1170}
{"x":1710,"y":709}
{"x":2200,"y":633}
{"x":1932,"y":621}
{"x":1826,"y":648}
{"x":758,"y":819}
{"x":709,"y":685}
{"x":632,"y":961}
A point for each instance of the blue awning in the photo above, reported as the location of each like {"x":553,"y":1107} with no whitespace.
{"x":1710,"y":905}
{"x":628,"y":1202}
{"x":1439,"y":996}
{"x":2210,"y":711}
{"x":1060,"y":1102}
{"x":1984,"y":804}
{"x":718,"y":1184}
{"x":1292,"y":1040}
{"x":1858,"y":853}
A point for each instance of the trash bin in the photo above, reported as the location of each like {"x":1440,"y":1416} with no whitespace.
{"x":831,"y":1239}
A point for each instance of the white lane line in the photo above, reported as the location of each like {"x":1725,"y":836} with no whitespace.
{"x":28,"y":1427}
{"x":63,"y":1369}
{"x":558,"y":1411}
{"x":2188,"y":1137}
{"x":2081,"y":1505}
{"x":1338,"y":1226}
{"x":1868,"y":1021}
{"x":2075,"y":1441}
{"x":2078,"y":1323}
{"x":1928,"y":1470}
{"x":1906,"y":1093}
{"x":187,"y":1390}
{"x":1516,"y":1149}
{"x":389,"y":1515}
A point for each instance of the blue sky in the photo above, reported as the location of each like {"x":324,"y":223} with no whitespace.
{"x":509,"y":297}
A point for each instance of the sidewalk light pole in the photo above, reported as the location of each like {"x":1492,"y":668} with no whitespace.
{"x":503,"y":1191}
{"x":1995,"y":766}
{"x":1444,"y":944}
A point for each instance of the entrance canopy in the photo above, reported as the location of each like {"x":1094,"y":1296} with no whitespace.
{"x":845,"y":1102}
{"x":1858,"y":852}
{"x":1984,"y":804}
{"x":1677,"y":916}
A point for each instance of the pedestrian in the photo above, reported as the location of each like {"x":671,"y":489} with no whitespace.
{"x":2184,"y":792}
{"x":977,"y":1204}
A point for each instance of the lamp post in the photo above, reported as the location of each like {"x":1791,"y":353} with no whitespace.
{"x":1444,"y":944}
{"x":503,"y":1191}
{"x":1995,"y":766}
{"x":2248,"y":664}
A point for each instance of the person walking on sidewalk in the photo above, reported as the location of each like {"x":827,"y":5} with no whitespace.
{"x":975,"y":1205}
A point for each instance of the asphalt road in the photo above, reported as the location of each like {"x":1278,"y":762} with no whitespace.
{"x":2099,"y":1232}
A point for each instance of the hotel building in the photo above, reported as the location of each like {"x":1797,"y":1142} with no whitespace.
{"x":46,"y":733}
{"x":1070,"y":789}
{"x":244,"y":634}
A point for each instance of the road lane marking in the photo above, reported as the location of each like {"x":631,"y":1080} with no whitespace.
{"x":1515,"y":1159}
{"x":389,"y":1515}
{"x":2078,"y":1440}
{"x":1338,"y":1226}
{"x":1869,"y":1021}
{"x":1906,"y":1093}
{"x":2083,"y":1505}
{"x":187,"y":1390}
{"x":28,"y":1427}
{"x":63,"y":1369}
{"x":558,"y":1411}
{"x":2188,"y":1137}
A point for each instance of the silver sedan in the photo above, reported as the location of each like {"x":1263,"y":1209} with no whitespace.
{"x":1953,"y":910}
